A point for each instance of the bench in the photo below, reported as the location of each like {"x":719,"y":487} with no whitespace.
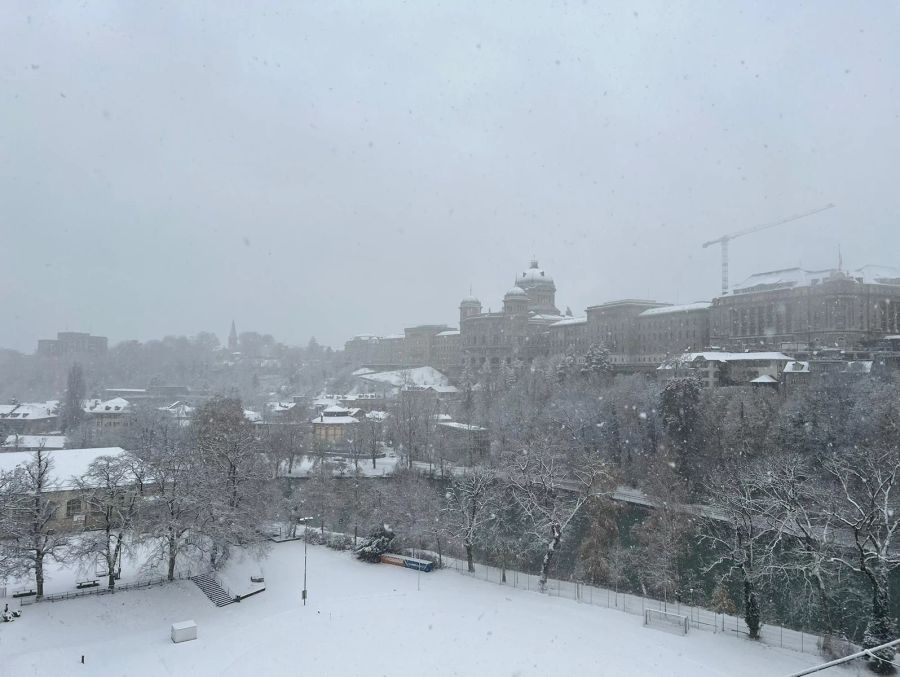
{"x":87,"y":584}
{"x":24,"y":593}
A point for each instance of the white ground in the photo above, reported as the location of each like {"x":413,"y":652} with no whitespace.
{"x":364,"y":619}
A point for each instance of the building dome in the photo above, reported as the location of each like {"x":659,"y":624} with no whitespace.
{"x":515,"y":293}
{"x":535,"y":276}
{"x":470,"y":301}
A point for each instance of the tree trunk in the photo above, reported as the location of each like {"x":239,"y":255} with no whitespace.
{"x":552,"y":547}
{"x":881,"y":626}
{"x":39,"y":574}
{"x":469,"y":561}
{"x":172,"y":553}
{"x":751,"y":609}
{"x":825,"y":601}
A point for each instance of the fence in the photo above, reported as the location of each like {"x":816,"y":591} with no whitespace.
{"x":147,"y":583}
{"x":699,"y":617}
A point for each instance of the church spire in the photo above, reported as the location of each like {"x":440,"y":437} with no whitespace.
{"x":232,"y":338}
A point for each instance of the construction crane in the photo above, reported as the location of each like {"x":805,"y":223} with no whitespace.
{"x":725,"y":239}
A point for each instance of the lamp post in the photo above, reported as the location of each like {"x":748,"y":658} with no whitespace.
{"x":303,"y":594}
{"x":692,"y":607}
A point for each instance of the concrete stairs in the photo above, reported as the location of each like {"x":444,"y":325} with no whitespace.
{"x":211,"y":588}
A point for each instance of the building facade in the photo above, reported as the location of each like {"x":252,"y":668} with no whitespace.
{"x":800,"y":309}
{"x":72,"y":344}
{"x":790,"y":310}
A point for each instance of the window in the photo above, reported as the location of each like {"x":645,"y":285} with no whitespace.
{"x":73,"y":507}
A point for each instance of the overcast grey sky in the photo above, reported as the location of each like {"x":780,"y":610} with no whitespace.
{"x":333,"y":168}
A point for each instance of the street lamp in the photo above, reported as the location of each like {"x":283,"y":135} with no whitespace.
{"x":303,"y":595}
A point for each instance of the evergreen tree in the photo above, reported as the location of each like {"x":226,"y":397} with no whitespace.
{"x":378,"y":543}
{"x":73,"y":403}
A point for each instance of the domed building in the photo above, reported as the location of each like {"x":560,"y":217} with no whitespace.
{"x":540,"y":288}
{"x":518,"y":331}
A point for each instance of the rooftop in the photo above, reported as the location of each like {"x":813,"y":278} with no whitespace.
{"x":685,"y":308}
{"x":67,"y":464}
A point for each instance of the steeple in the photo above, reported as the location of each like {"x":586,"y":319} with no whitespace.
{"x":232,"y":338}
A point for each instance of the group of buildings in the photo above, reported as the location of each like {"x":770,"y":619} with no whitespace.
{"x":792,"y":311}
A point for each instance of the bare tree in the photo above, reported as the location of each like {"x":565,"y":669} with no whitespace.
{"x":740,"y":533}
{"x":111,"y":491}
{"x":551,"y":489}
{"x":664,"y":537}
{"x":469,"y":505}
{"x":168,"y":521}
{"x":796,"y":502}
{"x":29,"y":537}
{"x":865,"y":507}
{"x":236,"y":489}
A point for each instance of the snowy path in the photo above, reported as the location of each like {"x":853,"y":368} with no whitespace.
{"x":365,"y":619}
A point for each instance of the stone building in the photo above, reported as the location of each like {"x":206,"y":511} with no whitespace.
{"x":520,"y":331}
{"x":667,"y":329}
{"x":614,"y":325}
{"x":788,"y":310}
{"x":798,"y":309}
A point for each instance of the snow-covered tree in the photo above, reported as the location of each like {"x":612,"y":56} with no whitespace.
{"x":27,"y":512}
{"x":679,"y":404}
{"x":552,"y":487}
{"x":666,"y":534}
{"x":373,"y":547}
{"x":597,"y":365}
{"x":111,"y":491}
{"x":739,"y":534}
{"x":865,"y":482}
{"x":168,"y":523}
{"x":469,"y":506}
{"x":236,"y":490}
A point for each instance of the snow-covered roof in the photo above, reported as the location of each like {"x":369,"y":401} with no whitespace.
{"x":461,"y":426}
{"x":252,"y":416}
{"x":796,"y":367}
{"x":570,"y":321}
{"x":67,"y":463}
{"x":420,"y":376}
{"x":688,"y":358}
{"x":798,"y":277}
{"x":685,"y":308}
{"x":35,"y":441}
{"x":334,"y":420}
{"x":280,"y":407}
{"x":116,"y":405}
{"x":336,"y":409}
{"x":363,"y":370}
{"x":449,"y":332}
{"x":765,"y":378}
{"x":377,"y":415}
{"x":29,"y":410}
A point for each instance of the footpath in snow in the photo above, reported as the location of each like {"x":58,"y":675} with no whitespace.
{"x":364,"y":619}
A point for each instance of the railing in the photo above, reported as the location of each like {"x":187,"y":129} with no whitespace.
{"x":146,"y":583}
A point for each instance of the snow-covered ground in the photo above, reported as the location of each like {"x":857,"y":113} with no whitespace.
{"x":364,"y":619}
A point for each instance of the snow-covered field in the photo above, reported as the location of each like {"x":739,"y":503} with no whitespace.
{"x":364,"y":619}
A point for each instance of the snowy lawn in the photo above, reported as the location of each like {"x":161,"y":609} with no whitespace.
{"x":364,"y":619}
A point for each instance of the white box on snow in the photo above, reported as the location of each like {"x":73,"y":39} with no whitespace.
{"x":184,"y":631}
